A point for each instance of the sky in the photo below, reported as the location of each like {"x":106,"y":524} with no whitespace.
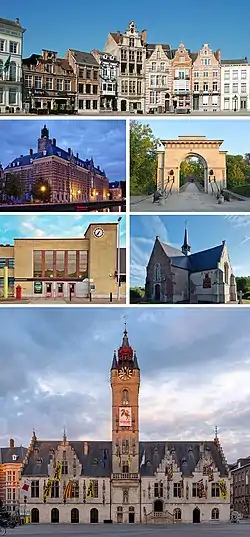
{"x":53,"y":226}
{"x":203,"y":232}
{"x":85,"y":26}
{"x":234,"y":133}
{"x":104,"y":140}
{"x":55,"y":373}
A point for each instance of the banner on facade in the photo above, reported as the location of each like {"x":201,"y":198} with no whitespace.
{"x":25,"y":487}
{"x":68,"y":490}
{"x":58,"y":472}
{"x":125,"y":417}
{"x":223,"y":489}
{"x":47,"y":488}
{"x":91,"y":491}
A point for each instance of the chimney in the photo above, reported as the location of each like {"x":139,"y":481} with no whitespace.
{"x":54,"y":142}
{"x":69,"y":150}
{"x":77,"y":155}
{"x":21,"y":156}
{"x":17,"y":21}
{"x":85,"y":448}
{"x":31,"y":152}
{"x":144,"y":37}
{"x":12,"y":443}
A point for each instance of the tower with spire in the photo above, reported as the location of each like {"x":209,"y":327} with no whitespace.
{"x":125,"y":384}
{"x":44,"y":141}
{"x":185,"y":247}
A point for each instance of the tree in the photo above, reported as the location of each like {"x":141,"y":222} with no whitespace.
{"x":243,"y":284}
{"x":143,"y":159}
{"x":191,"y":169}
{"x":237,"y":171}
{"x":41,"y":191}
{"x":13,"y":186}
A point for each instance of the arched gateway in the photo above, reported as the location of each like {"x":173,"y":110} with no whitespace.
{"x":176,"y":151}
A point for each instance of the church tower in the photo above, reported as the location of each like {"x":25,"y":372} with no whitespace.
{"x":185,"y":247}
{"x":125,"y":384}
{"x":43,"y":142}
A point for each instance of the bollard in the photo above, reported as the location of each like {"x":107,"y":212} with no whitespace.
{"x":110,"y":297}
{"x":90,"y":297}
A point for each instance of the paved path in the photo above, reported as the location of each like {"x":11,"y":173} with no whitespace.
{"x":130,"y":530}
{"x":190,"y":200}
{"x":57,"y":301}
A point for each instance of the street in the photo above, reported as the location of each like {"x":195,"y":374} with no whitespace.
{"x":190,"y":200}
{"x":109,"y":530}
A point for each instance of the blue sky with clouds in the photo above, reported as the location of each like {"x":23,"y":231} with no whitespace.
{"x":204,"y":232}
{"x":104,"y":140}
{"x":55,"y":372}
{"x":235,"y":133}
{"x":53,"y":226}
{"x":85,"y":25}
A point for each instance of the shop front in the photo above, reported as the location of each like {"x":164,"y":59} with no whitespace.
{"x":61,"y":289}
{"x":41,"y":101}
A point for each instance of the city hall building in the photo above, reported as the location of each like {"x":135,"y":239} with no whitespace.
{"x":70,"y":178}
{"x":125,"y":480}
{"x":36,"y":268}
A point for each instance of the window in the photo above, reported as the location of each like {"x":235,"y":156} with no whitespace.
{"x":67,"y":85}
{"x":81,"y":88}
{"x":95,"y":89}
{"x":34,"y":490}
{"x":215,"y":74}
{"x":177,"y":490}
{"x":205,"y":74}
{"x":123,"y":55}
{"x":196,"y":490}
{"x":49,"y":83}
{"x":125,"y":447}
{"x":226,"y":104}
{"x":60,"y":264}
{"x":153,"y":66}
{"x":72,"y":273}
{"x":163,"y":80}
{"x":37,"y":264}
{"x":226,"y":88}
{"x":243,"y":88}
{"x":28,"y":81}
{"x":88,"y":74}
{"x":132,"y":57}
{"x":226,"y":75}
{"x":205,"y":86}
{"x":124,"y":87}
{"x":196,"y":86}
{"x":12,"y":74}
{"x":38,"y":82}
{"x":65,"y":467}
{"x":13,"y":47}
{"x":152,"y":80}
{"x":9,"y":494}
{"x":243,"y":75}
{"x":125,"y":396}
{"x":162,"y":66}
{"x":8,"y":477}
{"x":132,"y":86}
{"x":215,"y":86}
{"x":95,"y":487}
{"x":139,"y":56}
{"x":48,"y":264}
{"x":215,"y":100}
{"x":2,"y":43}
{"x":226,"y":272}
{"x":215,"y":490}
{"x":75,"y":489}
{"x":235,"y":75}
{"x":158,"y":490}
{"x":81,"y":73}
{"x":88,"y":89}
{"x":1,"y":69}
{"x":205,"y":100}
{"x":12,"y":96}
{"x":196,"y":74}
{"x":55,"y":489}
{"x":157,"y":272}
{"x":87,"y":105}
{"x":125,"y":493}
{"x":131,"y":42}
{"x":215,"y":515}
{"x":94,"y":105}
{"x":177,"y":514}
{"x":59,"y":84}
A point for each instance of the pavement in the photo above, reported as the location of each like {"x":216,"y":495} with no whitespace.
{"x":220,"y":113}
{"x":131,"y":530}
{"x":56,"y":301}
{"x":190,"y":200}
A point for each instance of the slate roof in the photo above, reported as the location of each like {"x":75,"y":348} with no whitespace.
{"x":198,"y":262}
{"x":116,"y":36}
{"x":243,"y":61}
{"x":7,"y":452}
{"x":84,"y":58}
{"x":14,"y":24}
{"x":186,"y":455}
{"x":50,"y":151}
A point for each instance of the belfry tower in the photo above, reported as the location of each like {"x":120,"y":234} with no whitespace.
{"x":185,"y":247}
{"x":125,"y":384}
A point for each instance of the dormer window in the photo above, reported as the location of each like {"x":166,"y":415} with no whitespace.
{"x":14,"y":457}
{"x":39,"y":460}
{"x":95,"y":462}
{"x":36,"y":450}
{"x":156,"y":451}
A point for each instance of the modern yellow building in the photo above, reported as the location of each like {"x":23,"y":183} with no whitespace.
{"x":37,"y":268}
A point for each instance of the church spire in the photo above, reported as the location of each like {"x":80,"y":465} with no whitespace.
{"x":125,"y":356}
{"x":185,"y":247}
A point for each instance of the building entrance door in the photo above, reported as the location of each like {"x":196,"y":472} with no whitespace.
{"x":131,"y":518}
{"x":72,"y":289}
{"x":157,"y":292}
{"x":196,"y":515}
{"x":59,"y":289}
{"x":48,"y":288}
{"x":196,"y":102}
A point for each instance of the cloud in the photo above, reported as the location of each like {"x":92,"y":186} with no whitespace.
{"x":55,"y":366}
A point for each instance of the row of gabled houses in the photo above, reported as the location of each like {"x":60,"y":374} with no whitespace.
{"x":130,"y":75}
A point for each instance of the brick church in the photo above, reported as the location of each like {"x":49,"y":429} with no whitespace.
{"x":176,"y":276}
{"x":125,"y":480}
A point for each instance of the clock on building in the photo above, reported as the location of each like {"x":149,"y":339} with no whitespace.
{"x":125,"y":373}
{"x":98,"y":232}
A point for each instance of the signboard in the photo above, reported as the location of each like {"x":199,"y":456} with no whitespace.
{"x":125,"y":416}
{"x":92,"y":287}
{"x":38,"y":288}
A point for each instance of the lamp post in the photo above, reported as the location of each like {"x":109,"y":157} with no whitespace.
{"x":235,"y":100}
{"x":118,"y":258}
{"x":24,"y":511}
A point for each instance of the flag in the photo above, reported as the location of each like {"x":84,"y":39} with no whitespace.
{"x":47,"y":488}
{"x":58,"y":472}
{"x":25,"y":487}
{"x":129,"y":460}
{"x":143,"y":459}
{"x":6,"y":64}
{"x":68,"y":490}
{"x":104,"y":458}
{"x":90,"y":492}
{"x":223,"y":489}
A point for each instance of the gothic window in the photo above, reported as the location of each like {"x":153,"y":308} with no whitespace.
{"x":125,"y":397}
{"x":157,"y":272}
{"x":131,"y":42}
{"x":226,"y":272}
{"x":177,"y":514}
{"x":177,"y":490}
{"x":55,"y":489}
{"x":158,"y":490}
{"x":35,"y":489}
{"x":125,"y":496}
{"x":215,"y":490}
{"x":195,"y":490}
{"x":75,"y":489}
{"x":65,"y":469}
{"x":215,"y":515}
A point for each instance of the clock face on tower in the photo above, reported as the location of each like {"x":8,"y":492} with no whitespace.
{"x":125,"y":373}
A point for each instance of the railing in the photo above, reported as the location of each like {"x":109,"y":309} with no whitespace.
{"x":125,"y":476}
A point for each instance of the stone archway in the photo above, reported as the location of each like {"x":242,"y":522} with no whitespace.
{"x":34,"y":515}
{"x":175,"y":151}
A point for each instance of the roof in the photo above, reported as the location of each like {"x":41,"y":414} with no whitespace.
{"x":198,"y":262}
{"x":84,"y":58}
{"x":53,"y":150}
{"x":35,"y":58}
{"x":98,"y":461}
{"x":7,"y":453}
{"x":243,"y":61}
{"x":15,"y":24}
{"x":116,"y":36}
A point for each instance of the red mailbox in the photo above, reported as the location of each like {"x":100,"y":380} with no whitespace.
{"x":18,"y":292}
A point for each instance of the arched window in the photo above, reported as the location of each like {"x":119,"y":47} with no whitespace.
{"x":226,"y":272}
{"x":12,"y":72}
{"x":157,"y":272}
{"x":125,"y":396}
{"x":215,"y":515}
{"x":177,"y":514}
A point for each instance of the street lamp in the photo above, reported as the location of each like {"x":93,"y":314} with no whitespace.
{"x":235,"y":101}
{"x":43,"y":188}
{"x":118,"y":258}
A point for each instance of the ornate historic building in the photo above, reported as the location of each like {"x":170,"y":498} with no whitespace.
{"x":87,"y":72}
{"x":70,"y":178}
{"x":108,"y":80}
{"x":130,"y":50}
{"x":158,"y":78}
{"x":11,"y":460}
{"x":125,"y":480}
{"x":176,"y":276}
{"x":181,"y":78}
{"x":206,"y":80}
{"x":11,"y":49}
{"x":49,"y":84}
